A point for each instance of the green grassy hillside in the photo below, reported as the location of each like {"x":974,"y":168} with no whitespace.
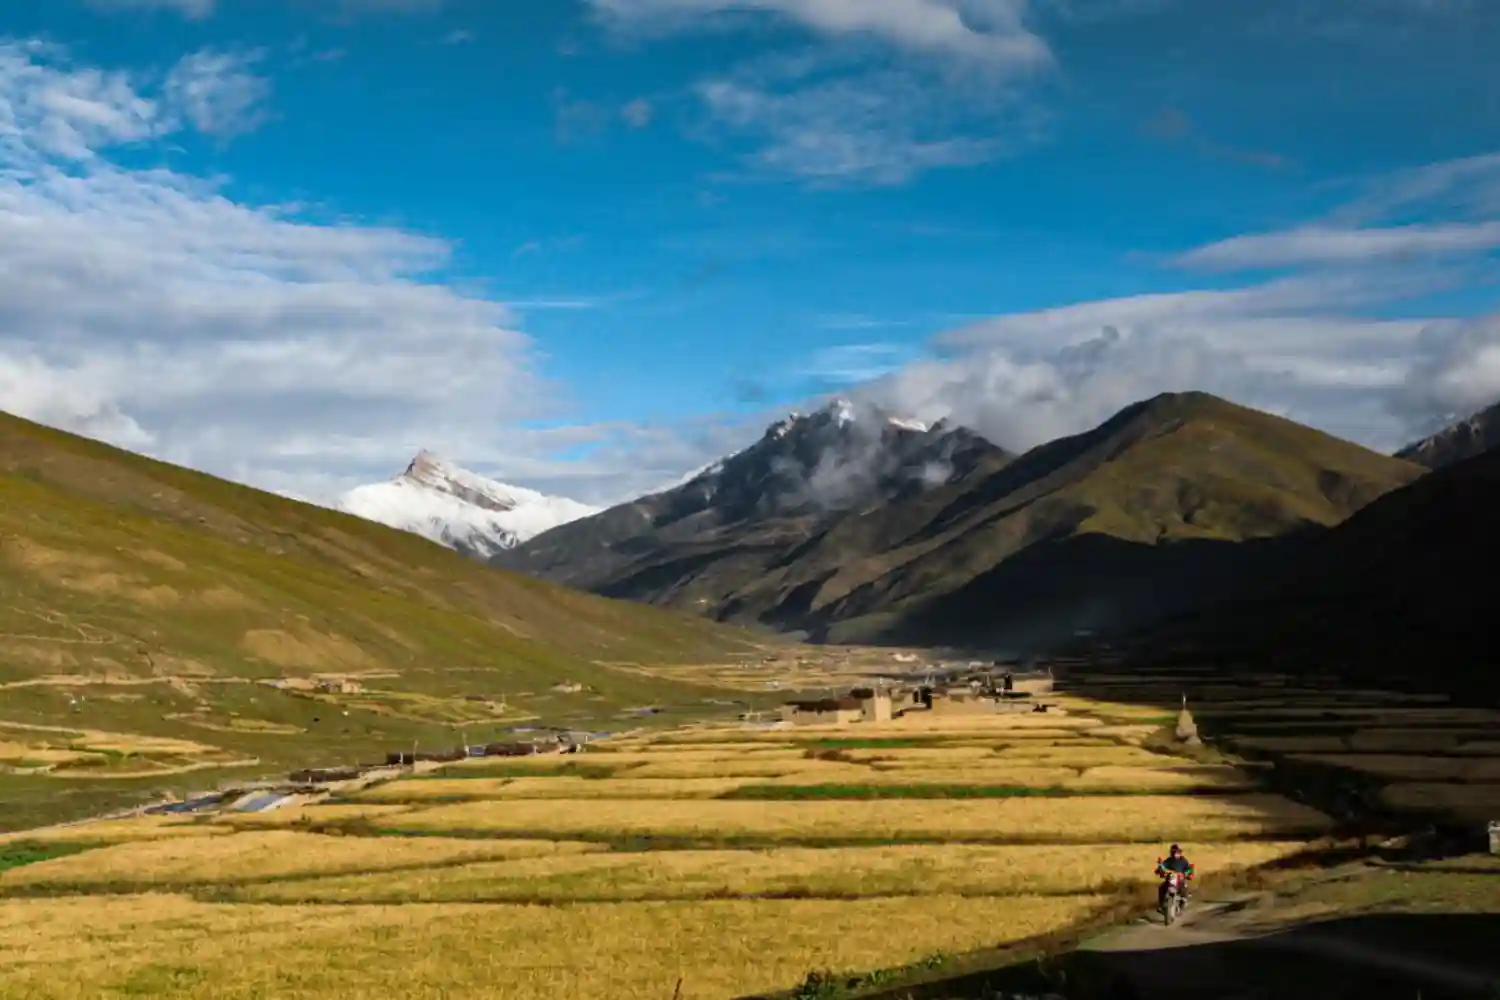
{"x":139,"y":600}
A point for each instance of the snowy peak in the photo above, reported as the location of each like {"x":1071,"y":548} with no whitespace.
{"x":454,"y":507}
{"x":1465,"y":439}
{"x":846,"y":453}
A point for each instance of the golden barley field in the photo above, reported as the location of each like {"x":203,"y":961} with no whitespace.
{"x":170,"y":946}
{"x":840,"y":872}
{"x":1086,"y":819}
{"x":733,"y":859}
{"x":266,"y":854}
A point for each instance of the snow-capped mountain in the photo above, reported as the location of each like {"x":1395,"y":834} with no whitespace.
{"x":840,"y":455}
{"x":454,"y":507}
{"x":806,"y":473}
{"x":1465,"y":439}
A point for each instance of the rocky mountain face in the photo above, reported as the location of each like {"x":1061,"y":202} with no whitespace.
{"x":1465,"y":439}
{"x":698,"y":544}
{"x":852,"y":526}
{"x":454,"y":507}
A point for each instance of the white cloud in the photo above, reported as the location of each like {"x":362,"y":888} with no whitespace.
{"x":191,"y":9}
{"x":1331,"y":245}
{"x":149,"y":309}
{"x":218,"y":93}
{"x":878,"y":128}
{"x":1035,"y":377}
{"x":992,"y":31}
{"x":199,"y":9}
{"x":638,"y":113}
{"x":53,"y":110}
{"x":873,"y":102}
{"x":1455,"y":372}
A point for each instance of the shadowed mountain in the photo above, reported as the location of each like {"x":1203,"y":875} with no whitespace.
{"x":1395,"y":593}
{"x":1462,"y":440}
{"x":1133,"y":520}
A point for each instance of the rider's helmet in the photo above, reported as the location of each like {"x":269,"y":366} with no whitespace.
{"x":1174,"y":851}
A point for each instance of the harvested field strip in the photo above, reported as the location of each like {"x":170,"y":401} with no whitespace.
{"x":945,"y":755}
{"x":309,"y":815}
{"x":62,"y":949}
{"x":1088,"y":756}
{"x":1070,"y":820}
{"x":745,"y":768}
{"x":1474,"y":803}
{"x":549,"y":787}
{"x":1291,"y":744}
{"x":1366,"y":717}
{"x":264,"y":855}
{"x":1175,"y":778}
{"x":1411,"y":768}
{"x":1019,"y":777}
{"x":116,"y":830}
{"x":845,"y":873}
{"x":725,"y":749}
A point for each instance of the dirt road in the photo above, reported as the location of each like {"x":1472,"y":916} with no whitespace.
{"x":1215,"y":953}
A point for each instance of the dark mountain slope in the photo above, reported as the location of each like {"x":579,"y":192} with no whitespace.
{"x":1399,"y":593}
{"x":1128,"y":521}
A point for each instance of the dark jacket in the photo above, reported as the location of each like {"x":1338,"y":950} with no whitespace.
{"x":1178,"y":864}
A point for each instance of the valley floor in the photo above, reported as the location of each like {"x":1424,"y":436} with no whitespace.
{"x":721,"y":861}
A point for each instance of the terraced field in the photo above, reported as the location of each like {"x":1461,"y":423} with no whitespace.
{"x":746,"y":858}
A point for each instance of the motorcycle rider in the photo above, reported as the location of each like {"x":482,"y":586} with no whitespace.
{"x":1175,"y":861}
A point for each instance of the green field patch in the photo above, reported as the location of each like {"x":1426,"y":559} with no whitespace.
{"x":29,"y":852}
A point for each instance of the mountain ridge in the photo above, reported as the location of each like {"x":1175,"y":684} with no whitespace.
{"x":1477,"y":433}
{"x":928,"y":561}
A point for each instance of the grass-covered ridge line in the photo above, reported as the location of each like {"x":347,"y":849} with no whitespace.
{"x":149,"y":601}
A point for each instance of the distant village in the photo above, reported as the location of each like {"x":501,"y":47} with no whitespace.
{"x":973,"y":688}
{"x":970,"y":688}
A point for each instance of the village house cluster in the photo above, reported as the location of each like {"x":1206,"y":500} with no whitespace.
{"x":970,"y":689}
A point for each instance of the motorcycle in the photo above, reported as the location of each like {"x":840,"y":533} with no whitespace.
{"x":1173,"y":897}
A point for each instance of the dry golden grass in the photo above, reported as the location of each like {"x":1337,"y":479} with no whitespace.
{"x":1159,"y":779}
{"x":1127,"y":732}
{"x":154,"y":945}
{"x":309,"y":814}
{"x":1065,"y":820}
{"x":991,"y":775}
{"x":733,"y":768}
{"x":1111,"y":710}
{"x":941,"y":755}
{"x":113,"y":830}
{"x":1477,"y":803}
{"x":714,"y":749}
{"x":1411,"y":768}
{"x":265,"y":854}
{"x":848,"y":872}
{"x":563,"y":787}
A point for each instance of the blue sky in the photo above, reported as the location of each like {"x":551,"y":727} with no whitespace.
{"x":586,"y":245}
